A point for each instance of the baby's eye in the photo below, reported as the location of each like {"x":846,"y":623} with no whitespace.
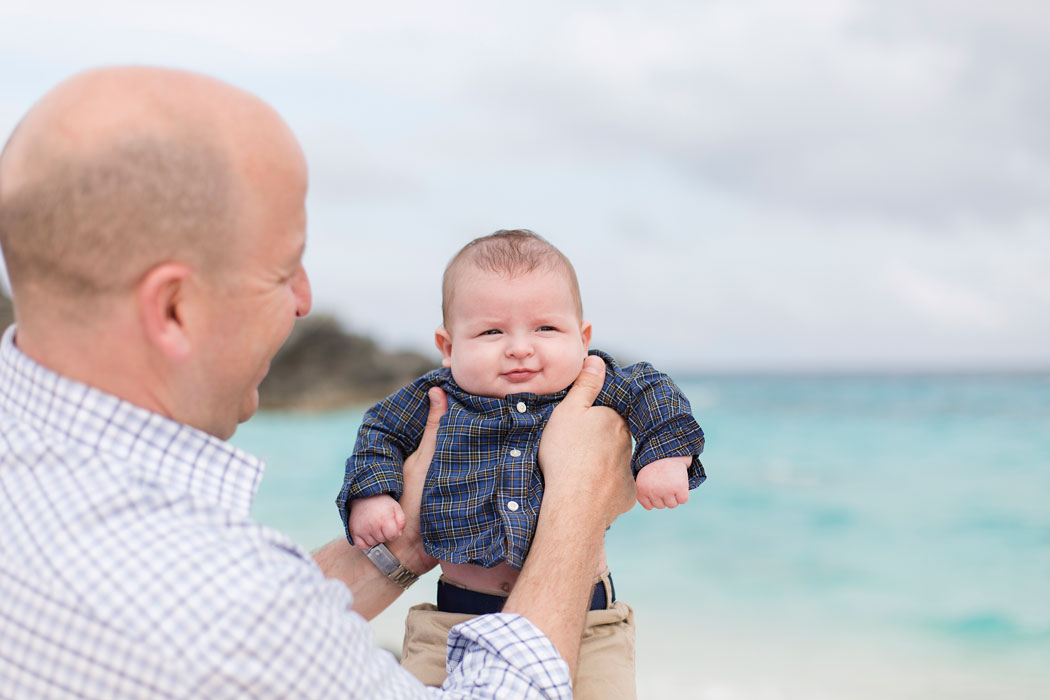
{"x":491,"y":331}
{"x":547,"y":328}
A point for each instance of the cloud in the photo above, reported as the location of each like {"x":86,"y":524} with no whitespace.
{"x":740,"y":183}
{"x":943,"y":303}
{"x":923,"y":112}
{"x":843,"y":108}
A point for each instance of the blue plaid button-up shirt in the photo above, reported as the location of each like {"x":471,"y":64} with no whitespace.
{"x":483,"y":491}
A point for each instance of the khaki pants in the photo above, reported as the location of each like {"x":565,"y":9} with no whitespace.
{"x":606,"y":666}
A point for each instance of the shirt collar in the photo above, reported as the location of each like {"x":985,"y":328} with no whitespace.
{"x":487,"y":406}
{"x":153,"y":448}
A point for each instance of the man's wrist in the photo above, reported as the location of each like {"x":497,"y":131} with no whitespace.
{"x":408,"y":548}
{"x":390,"y":566}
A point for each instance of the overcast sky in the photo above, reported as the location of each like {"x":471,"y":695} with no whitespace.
{"x":829,"y":184}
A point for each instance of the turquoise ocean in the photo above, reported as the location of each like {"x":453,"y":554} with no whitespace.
{"x":880,"y":536}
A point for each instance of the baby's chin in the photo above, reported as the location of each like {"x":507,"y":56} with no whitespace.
{"x":502,"y":388}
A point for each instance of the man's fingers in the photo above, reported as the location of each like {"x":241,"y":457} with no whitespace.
{"x":589,"y":382}
{"x":415,"y":470}
{"x":438,"y":406}
{"x":418,"y":462}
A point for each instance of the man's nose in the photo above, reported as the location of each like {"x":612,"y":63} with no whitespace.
{"x":303,"y":295}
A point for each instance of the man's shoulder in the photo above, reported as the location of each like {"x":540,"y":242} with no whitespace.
{"x":137,"y":553}
{"x":181,"y":581}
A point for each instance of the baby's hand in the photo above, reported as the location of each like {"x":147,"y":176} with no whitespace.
{"x":664,"y":483}
{"x":375,"y":519}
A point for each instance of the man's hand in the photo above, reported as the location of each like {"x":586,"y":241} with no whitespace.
{"x":586,"y":450}
{"x":373,"y":591}
{"x":585,"y":457}
{"x":409,"y":546}
{"x":375,"y":519}
{"x":664,"y":483}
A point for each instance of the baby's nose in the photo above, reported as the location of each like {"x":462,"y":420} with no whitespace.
{"x":519,"y":348}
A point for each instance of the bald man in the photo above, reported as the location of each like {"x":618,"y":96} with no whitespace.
{"x":153,"y":225}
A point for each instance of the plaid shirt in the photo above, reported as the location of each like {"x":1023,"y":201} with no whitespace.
{"x":129,"y":568}
{"x":482,"y":493}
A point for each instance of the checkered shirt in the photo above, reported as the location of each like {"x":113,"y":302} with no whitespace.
{"x":483,"y":490}
{"x":129,"y":568}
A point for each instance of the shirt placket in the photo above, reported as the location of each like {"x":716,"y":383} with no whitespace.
{"x":515,"y":475}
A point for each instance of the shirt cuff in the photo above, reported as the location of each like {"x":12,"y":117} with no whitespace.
{"x":492,"y":650}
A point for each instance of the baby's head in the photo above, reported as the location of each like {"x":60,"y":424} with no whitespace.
{"x":512,"y":317}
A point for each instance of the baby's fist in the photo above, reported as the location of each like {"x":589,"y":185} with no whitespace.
{"x":664,"y":483}
{"x":375,"y":519}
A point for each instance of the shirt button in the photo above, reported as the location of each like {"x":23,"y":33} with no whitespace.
{"x":512,"y":506}
{"x":515,"y":453}
{"x":522,"y":407}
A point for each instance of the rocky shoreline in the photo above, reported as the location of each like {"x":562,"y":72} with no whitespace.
{"x":322,"y":367}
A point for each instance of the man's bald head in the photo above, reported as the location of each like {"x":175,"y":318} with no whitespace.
{"x":117,"y":170}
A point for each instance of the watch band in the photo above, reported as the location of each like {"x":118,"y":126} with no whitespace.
{"x":389,"y":565}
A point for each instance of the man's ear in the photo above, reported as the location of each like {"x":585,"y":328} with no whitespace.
{"x":443,"y":341}
{"x":163,"y":306}
{"x":585,"y":333}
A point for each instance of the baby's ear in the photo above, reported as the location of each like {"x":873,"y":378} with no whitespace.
{"x":443,"y":341}
{"x":585,"y":333}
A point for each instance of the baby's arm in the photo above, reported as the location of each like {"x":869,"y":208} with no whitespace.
{"x":664,"y":483}
{"x":389,"y":432}
{"x":668,"y":437}
{"x":375,"y":519}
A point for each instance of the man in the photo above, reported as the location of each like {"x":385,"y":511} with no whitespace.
{"x":153,"y":223}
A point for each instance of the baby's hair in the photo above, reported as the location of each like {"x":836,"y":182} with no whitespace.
{"x":511,"y":253}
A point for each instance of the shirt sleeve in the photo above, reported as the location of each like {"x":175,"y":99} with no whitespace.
{"x":289,"y":633}
{"x":504,"y":655}
{"x":390,"y":431}
{"x":658,"y":414}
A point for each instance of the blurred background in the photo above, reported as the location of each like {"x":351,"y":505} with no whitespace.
{"x":829,"y":220}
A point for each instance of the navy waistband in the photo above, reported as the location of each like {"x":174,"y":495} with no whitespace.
{"x":454,"y":599}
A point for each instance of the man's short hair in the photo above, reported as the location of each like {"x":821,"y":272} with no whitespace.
{"x":96,"y":222}
{"x":509,"y":252}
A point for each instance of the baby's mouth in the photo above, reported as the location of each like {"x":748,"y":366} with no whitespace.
{"x":520,"y":375}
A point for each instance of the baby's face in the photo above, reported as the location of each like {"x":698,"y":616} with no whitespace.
{"x":513,"y":335}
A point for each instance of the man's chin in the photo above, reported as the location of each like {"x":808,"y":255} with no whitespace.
{"x":250,"y":406}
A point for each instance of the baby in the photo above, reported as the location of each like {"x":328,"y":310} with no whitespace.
{"x":512,"y":342}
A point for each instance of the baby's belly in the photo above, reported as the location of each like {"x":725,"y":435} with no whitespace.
{"x":498,"y":579}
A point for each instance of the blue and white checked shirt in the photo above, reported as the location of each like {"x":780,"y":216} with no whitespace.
{"x":129,"y":568}
{"x":482,"y":493}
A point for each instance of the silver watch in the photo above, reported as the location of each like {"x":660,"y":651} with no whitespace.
{"x":389,"y":565}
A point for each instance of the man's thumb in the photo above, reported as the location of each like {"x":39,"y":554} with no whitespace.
{"x":585,"y":390}
{"x":438,"y":405}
